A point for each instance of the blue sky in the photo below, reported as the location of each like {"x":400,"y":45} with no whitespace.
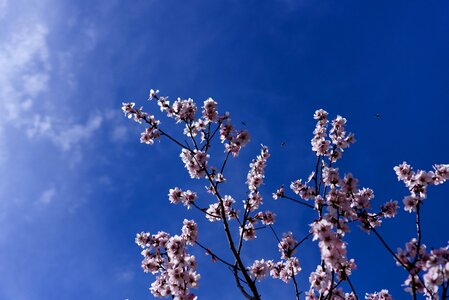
{"x":77,"y":184}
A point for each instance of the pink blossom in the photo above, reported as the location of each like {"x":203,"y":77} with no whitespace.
{"x":287,"y":245}
{"x":260,"y":269}
{"x":254,"y":201}
{"x":149,"y":135}
{"x":301,"y":189}
{"x":389,"y":209}
{"x":257,"y":169}
{"x":331,"y":176}
{"x":176,"y":195}
{"x":404,"y":171}
{"x":213,"y":213}
{"x":210,"y":110}
{"x":441,"y":173}
{"x":153,"y":94}
{"x":320,"y":115}
{"x":320,"y":280}
{"x":195,"y":162}
{"x":410,"y":203}
{"x":184,"y":110}
{"x":248,"y":232}
{"x":128,"y":109}
{"x":143,"y":239}
{"x":382,"y":295}
{"x":190,"y":231}
{"x":279,"y":193}
{"x":267,"y":218}
{"x":226,"y":130}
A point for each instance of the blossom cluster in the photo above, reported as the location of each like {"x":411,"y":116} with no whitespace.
{"x":248,"y":229}
{"x":284,"y":269}
{"x":382,"y":295}
{"x":339,"y":138}
{"x":338,"y":201}
{"x":332,"y":247}
{"x":167,"y":257}
{"x":195,"y":162}
{"x":213,"y":213}
{"x":184,"y":110}
{"x":232,"y":139}
{"x":181,"y":110}
{"x":321,"y":282}
{"x":255,"y":177}
{"x":176,"y":195}
{"x":210,"y":110}
{"x":434,"y":264}
{"x":417,"y":182}
{"x":152,"y":132}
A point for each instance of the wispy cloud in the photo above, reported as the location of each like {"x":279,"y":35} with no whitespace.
{"x":39,"y":80}
{"x":27,"y":66}
{"x":64,"y":136}
{"x":24,"y":69}
{"x":2,"y":8}
{"x":47,"y":196}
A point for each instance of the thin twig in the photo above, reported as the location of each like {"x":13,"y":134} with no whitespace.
{"x":298,"y":201}
{"x":275,"y":234}
{"x":224,"y":163}
{"x":352,"y":288}
{"x":407,"y":268}
{"x":203,"y":210}
{"x":301,"y":241}
{"x":297,"y":292}
{"x":215,"y":256}
{"x":239,"y":285}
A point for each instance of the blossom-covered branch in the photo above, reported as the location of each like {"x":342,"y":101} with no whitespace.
{"x":335,"y":197}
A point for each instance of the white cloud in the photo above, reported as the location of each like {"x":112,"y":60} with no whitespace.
{"x":2,"y":8}
{"x":76,"y":133}
{"x":125,"y":276}
{"x":3,"y":155}
{"x":120,"y":133}
{"x":26,"y":68}
{"x":39,"y":77}
{"x":60,"y":134}
{"x":47,"y":196}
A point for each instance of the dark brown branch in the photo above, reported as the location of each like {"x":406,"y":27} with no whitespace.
{"x":297,"y":292}
{"x":210,"y":137}
{"x":297,"y":201}
{"x":165,"y":134}
{"x":242,"y":225}
{"x":238,"y":259}
{"x":302,"y":241}
{"x":275,"y":234}
{"x":418,"y":233}
{"x":407,"y":268}
{"x":388,"y":247}
{"x":224,"y":163}
{"x":315,"y":178}
{"x":239,"y":285}
{"x":215,"y":256}
{"x":251,"y":284}
{"x":204,"y":210}
{"x":352,"y":288}
{"x":444,"y":294}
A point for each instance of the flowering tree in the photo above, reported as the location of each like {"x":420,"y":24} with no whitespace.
{"x":336,"y":199}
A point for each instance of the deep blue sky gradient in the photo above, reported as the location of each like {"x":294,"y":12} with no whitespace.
{"x":77,"y":184}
